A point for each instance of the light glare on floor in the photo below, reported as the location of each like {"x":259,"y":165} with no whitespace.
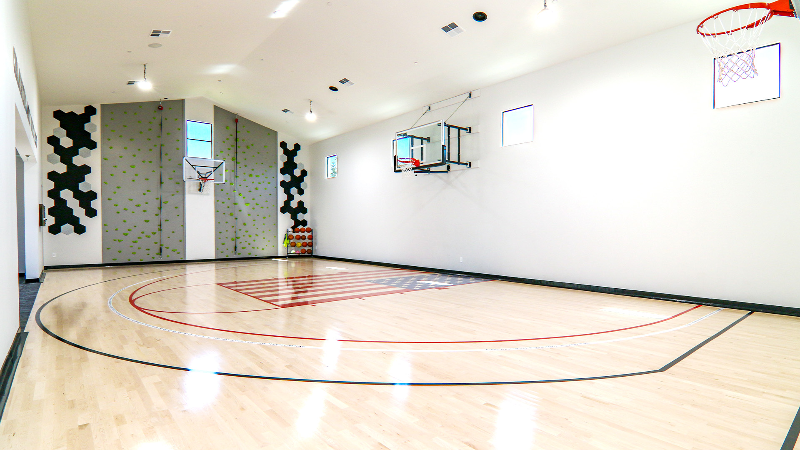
{"x":283,"y":9}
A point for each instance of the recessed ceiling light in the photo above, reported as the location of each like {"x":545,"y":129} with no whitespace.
{"x":283,"y":9}
{"x":155,"y":45}
{"x":479,"y":16}
{"x":452,"y":29}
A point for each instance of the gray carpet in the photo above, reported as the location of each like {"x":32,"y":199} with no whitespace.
{"x":27,"y":295}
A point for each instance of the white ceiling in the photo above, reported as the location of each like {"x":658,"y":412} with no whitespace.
{"x":395,"y":51}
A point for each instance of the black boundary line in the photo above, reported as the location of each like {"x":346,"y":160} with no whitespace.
{"x":10,"y":368}
{"x":148,"y":263}
{"x":727,"y":304}
{"x":791,"y":437}
{"x":368,"y":383}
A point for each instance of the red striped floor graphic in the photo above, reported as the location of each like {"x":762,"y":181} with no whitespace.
{"x":313,"y":289}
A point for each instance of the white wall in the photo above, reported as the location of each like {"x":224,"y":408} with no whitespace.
{"x":200,"y":220}
{"x":304,"y":157}
{"x":14,"y":33}
{"x":632,"y":181}
{"x":73,"y":249}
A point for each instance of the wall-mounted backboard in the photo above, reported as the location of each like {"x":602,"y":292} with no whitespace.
{"x":433,"y":147}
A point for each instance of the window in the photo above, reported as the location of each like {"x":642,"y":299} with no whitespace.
{"x":518,"y":125}
{"x":765,"y":86}
{"x":198,"y":140}
{"x":332,"y":166}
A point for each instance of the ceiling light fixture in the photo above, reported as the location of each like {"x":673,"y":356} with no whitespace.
{"x":546,"y":16}
{"x":310,"y":116}
{"x":283,"y":9}
{"x":144,"y":84}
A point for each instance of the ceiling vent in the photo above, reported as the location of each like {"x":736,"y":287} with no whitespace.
{"x":287,"y":111}
{"x":346,"y":82}
{"x":131,"y":83}
{"x":452,"y":29}
{"x":160,"y":33}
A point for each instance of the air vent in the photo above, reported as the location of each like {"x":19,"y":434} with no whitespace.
{"x":346,"y":82}
{"x":287,"y":111}
{"x":452,"y":29}
{"x":131,"y":83}
{"x":160,"y":33}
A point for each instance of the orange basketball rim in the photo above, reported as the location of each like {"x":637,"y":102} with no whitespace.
{"x":778,"y":8}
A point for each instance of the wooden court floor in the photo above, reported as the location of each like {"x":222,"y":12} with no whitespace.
{"x":317,"y":354}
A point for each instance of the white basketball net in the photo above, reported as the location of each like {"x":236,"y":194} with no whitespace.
{"x":732,"y":36}
{"x":408,"y":170}
{"x":407,"y":166}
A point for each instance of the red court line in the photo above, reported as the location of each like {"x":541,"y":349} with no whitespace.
{"x":301,"y":278}
{"x":132,"y":301}
{"x":212,"y":312}
{"x":304,"y":285}
{"x":330,"y":287}
{"x":299,"y":286}
{"x":364,"y":289}
{"x":330,"y":275}
{"x":309,"y":288}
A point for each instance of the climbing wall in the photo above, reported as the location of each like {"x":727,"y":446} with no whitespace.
{"x":143,"y":189}
{"x":245,"y":206}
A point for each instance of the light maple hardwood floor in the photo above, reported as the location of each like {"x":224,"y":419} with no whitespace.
{"x":316,"y":354}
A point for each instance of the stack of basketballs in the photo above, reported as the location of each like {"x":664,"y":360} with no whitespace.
{"x":300,"y":241}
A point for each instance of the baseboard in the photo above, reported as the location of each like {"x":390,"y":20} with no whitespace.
{"x":33,"y":280}
{"x":720,"y":303}
{"x":10,"y":368}
{"x":145,"y":263}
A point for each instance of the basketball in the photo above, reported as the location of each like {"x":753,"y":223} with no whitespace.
{"x":292,"y":244}
{"x":291,"y":237}
{"x":310,"y":237}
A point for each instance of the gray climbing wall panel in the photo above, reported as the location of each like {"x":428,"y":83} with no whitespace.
{"x":143,"y":188}
{"x":246,"y":220}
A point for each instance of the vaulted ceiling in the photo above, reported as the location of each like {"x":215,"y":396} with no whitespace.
{"x":395,"y":52}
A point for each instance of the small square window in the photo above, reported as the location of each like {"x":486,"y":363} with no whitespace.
{"x":198,"y":140}
{"x":518,"y":125}
{"x":331,"y":166}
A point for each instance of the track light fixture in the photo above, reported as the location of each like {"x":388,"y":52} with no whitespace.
{"x":145,"y":85}
{"x":310,"y":116}
{"x":546,"y":16}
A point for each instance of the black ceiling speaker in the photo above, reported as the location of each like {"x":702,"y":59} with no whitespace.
{"x":480,"y":16}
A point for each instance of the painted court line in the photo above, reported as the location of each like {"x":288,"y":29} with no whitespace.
{"x":300,"y":301}
{"x":272,"y":344}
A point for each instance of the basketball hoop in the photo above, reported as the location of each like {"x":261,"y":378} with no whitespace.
{"x":732,"y":35}
{"x":407,"y":166}
{"x":204,"y":178}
